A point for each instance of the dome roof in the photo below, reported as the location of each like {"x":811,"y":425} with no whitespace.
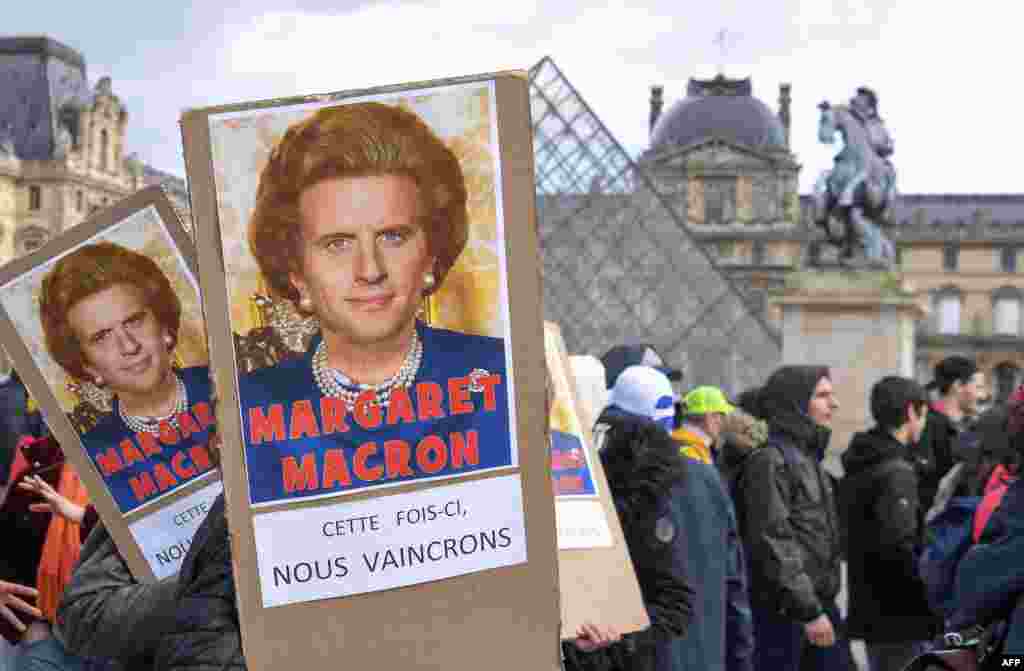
{"x":723,"y":108}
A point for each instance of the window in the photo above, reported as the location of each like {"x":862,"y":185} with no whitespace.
{"x":726,"y":249}
{"x":899,"y":256}
{"x":35,"y":198}
{"x":951,"y":257}
{"x":79,"y":201}
{"x":758,"y":253}
{"x":719,"y":200}
{"x":949,"y":312}
{"x":1006,"y":312}
{"x":1006,"y":376}
{"x":1008,"y":259}
{"x":104,"y":148}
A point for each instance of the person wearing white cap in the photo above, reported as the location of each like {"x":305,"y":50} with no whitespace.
{"x":646,"y":477}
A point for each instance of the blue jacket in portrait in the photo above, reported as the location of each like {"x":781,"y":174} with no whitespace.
{"x":301,"y":444}
{"x":137,"y":467}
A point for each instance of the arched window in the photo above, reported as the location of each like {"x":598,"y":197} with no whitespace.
{"x":104,"y":148}
{"x":1006,"y":311}
{"x":947,"y":302}
{"x":35,"y":198}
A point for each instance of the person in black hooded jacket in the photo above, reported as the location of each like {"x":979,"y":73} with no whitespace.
{"x":789,"y":523}
{"x":879,"y":495}
{"x":647,"y":479}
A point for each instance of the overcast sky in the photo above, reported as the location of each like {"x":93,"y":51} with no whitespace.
{"x":946,"y":73}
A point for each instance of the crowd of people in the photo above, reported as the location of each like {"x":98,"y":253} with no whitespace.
{"x":736,"y":531}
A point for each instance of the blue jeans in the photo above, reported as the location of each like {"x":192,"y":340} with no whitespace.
{"x":780,"y":644}
{"x":46,"y":655}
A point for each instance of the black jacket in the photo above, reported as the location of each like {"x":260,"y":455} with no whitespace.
{"x":934,"y":455}
{"x":105,"y":613}
{"x":205,"y":635}
{"x":645,"y":475}
{"x":879,"y":497}
{"x":785,"y":503}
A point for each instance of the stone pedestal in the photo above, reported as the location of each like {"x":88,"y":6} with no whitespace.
{"x":861,"y":325}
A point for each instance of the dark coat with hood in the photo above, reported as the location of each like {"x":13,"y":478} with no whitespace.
{"x":646,"y":477}
{"x":785,"y":503}
{"x":879,"y":500}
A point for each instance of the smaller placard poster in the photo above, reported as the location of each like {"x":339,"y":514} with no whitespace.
{"x":104,"y":325}
{"x":596,"y":576}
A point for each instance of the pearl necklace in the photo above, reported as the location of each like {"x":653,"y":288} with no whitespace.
{"x":143,"y":424}
{"x":330,"y":380}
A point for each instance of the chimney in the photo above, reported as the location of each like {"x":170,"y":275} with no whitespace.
{"x":657,"y":102}
{"x":784,"y":100}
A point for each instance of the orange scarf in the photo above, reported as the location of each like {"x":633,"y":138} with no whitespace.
{"x":62,"y":546}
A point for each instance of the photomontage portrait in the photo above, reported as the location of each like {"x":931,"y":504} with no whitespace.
{"x":113,"y":325}
{"x":366,"y":273}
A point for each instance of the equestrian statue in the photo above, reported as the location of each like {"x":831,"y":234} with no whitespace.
{"x":860,"y":190}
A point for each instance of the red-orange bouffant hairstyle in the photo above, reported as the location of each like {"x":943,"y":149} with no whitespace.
{"x":357,"y":140}
{"x":90,"y":270}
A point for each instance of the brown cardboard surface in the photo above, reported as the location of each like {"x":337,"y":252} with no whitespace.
{"x":447,"y":624}
{"x":599,"y":584}
{"x":58,"y":422}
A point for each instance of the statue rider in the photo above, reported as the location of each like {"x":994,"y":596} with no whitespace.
{"x":864,"y":106}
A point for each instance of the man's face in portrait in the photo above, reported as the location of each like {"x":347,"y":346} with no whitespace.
{"x":121,"y":339}
{"x":364,"y":256}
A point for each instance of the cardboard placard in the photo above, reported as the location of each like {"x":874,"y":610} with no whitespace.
{"x":105,"y":319}
{"x":411,"y":525}
{"x":597,"y":579}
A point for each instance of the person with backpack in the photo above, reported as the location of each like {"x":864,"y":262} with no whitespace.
{"x":989,"y":580}
{"x":789,"y":524}
{"x":888,"y":607}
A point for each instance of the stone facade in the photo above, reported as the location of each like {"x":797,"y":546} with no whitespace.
{"x":62,"y":145}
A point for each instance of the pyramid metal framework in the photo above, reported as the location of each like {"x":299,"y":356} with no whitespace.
{"x":620,"y":265}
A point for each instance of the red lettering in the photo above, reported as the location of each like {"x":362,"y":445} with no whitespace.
{"x":168,"y":434}
{"x":465,"y":449}
{"x":149,"y":443}
{"x":335,"y":469}
{"x":303,"y":421}
{"x":458,"y":396}
{"x":367,"y":412}
{"x":397,"y":455}
{"x":332,"y":414}
{"x":429,"y":396}
{"x":181,"y":468}
{"x":142,"y":486}
{"x":201,"y":458}
{"x":204,"y":414}
{"x":266,"y":427}
{"x":431,"y":454}
{"x":489,"y":382}
{"x":299,"y":477}
{"x":130,"y":453}
{"x":187,"y":424}
{"x":400,"y":407}
{"x":109,"y":462}
{"x":364,"y":472}
{"x":164,"y":478}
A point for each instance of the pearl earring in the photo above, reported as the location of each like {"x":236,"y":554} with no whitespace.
{"x":169,"y":341}
{"x":429,"y":280}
